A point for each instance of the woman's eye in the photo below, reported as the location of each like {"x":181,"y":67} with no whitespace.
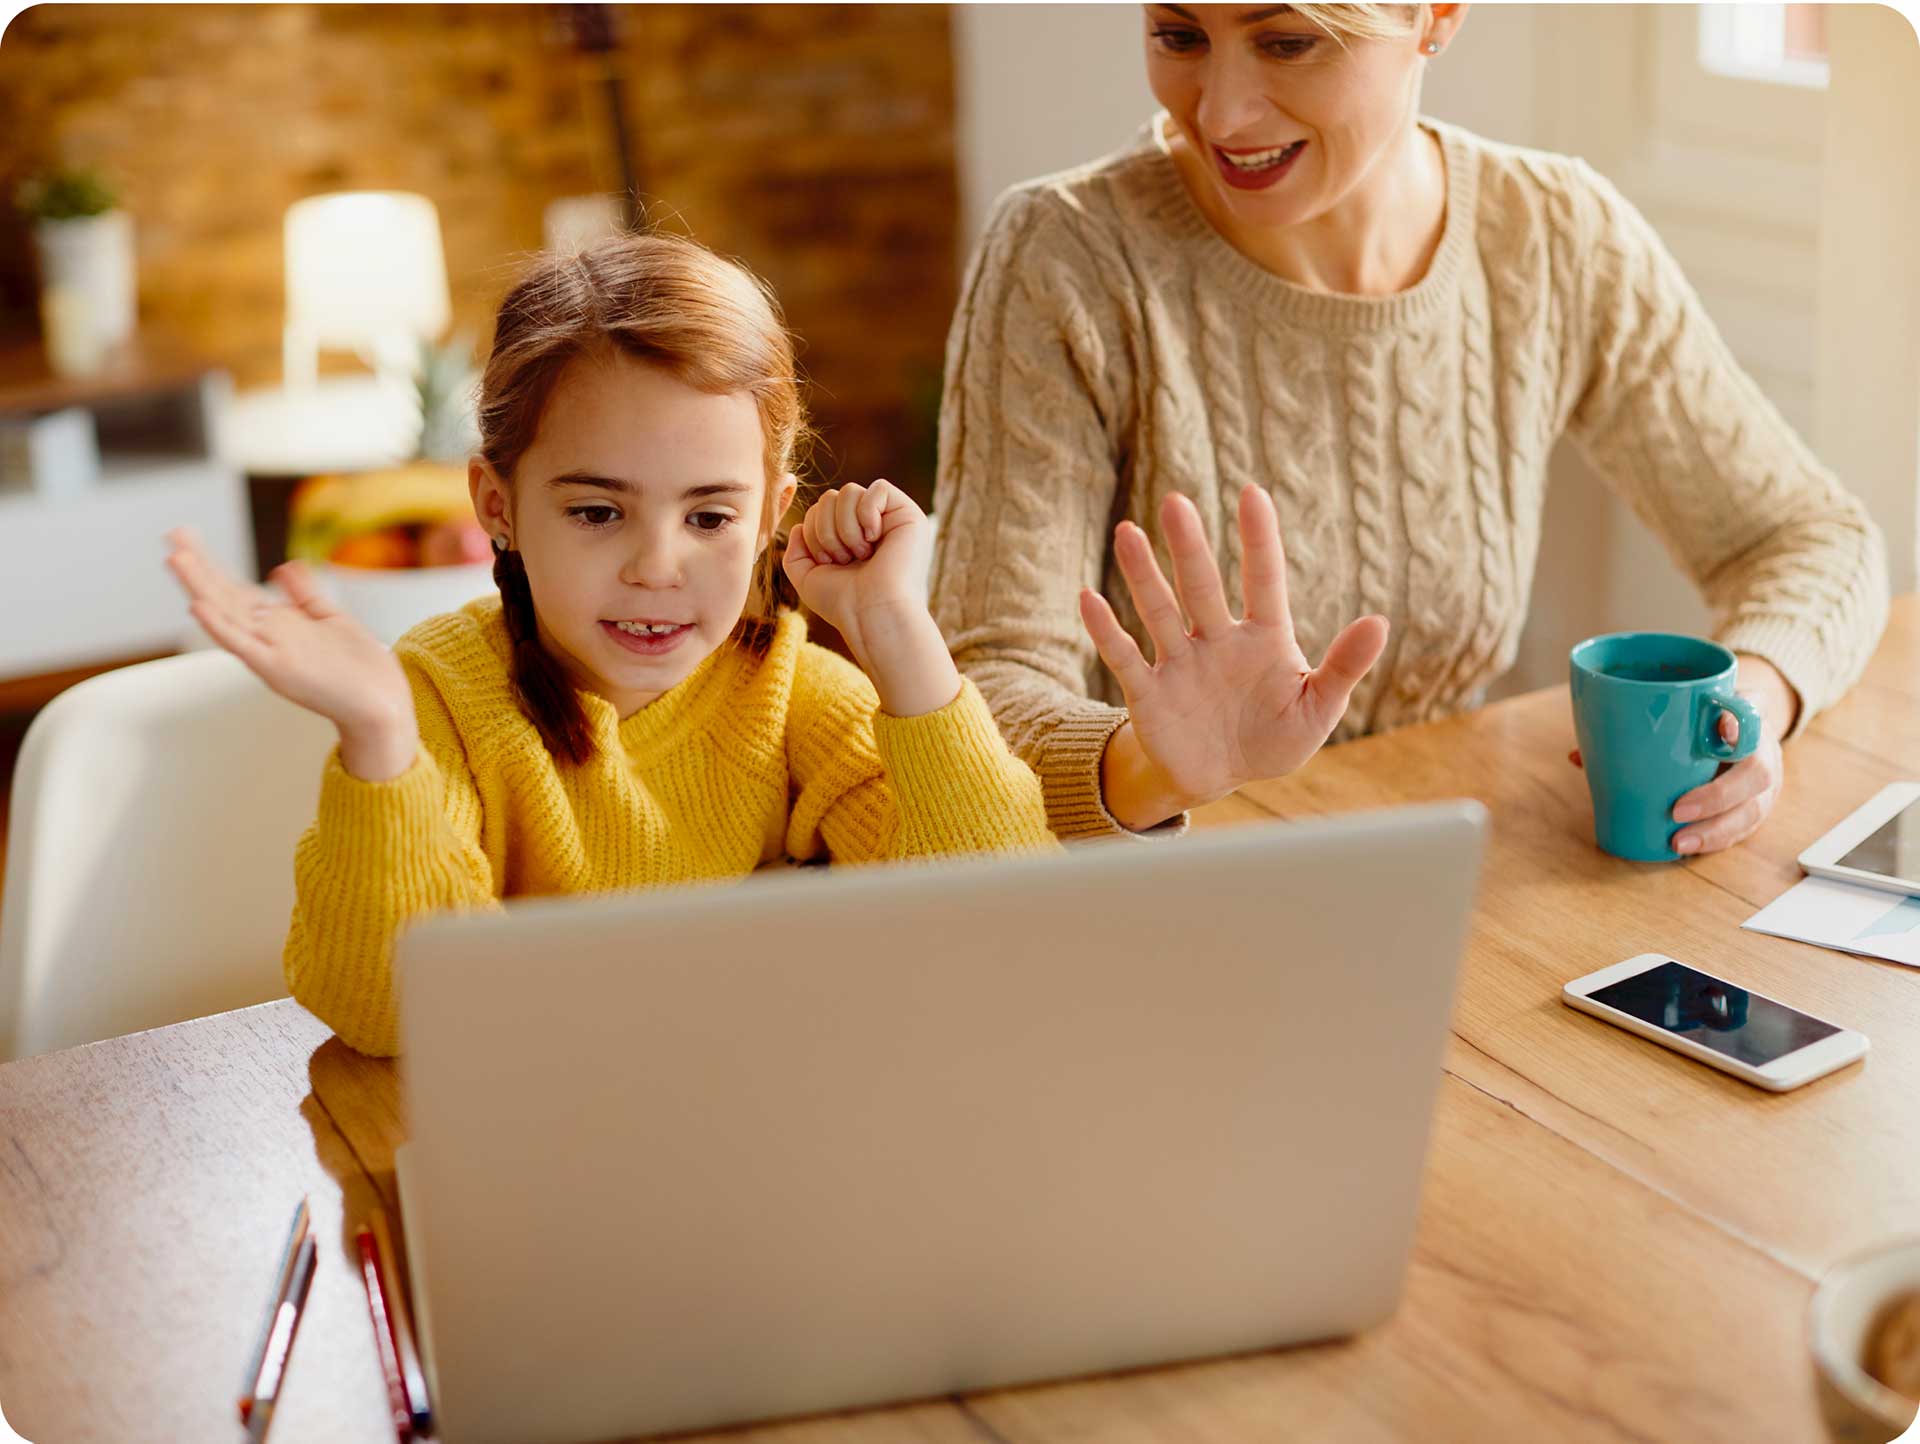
{"x":1179,"y":42}
{"x":592,"y":515}
{"x":710,"y":520}
{"x":1289,"y":47}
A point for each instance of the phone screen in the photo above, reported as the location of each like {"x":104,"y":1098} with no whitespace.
{"x":1716,"y":1015}
{"x":1892,"y":849}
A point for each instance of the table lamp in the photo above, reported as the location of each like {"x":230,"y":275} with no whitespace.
{"x":365,"y":272}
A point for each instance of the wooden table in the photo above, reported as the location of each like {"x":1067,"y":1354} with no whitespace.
{"x":1615,"y":1243}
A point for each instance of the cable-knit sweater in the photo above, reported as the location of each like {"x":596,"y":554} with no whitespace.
{"x":1111,"y":348}
{"x":749,"y":759}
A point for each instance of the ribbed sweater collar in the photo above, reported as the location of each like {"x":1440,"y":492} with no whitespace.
{"x":1435,"y":292}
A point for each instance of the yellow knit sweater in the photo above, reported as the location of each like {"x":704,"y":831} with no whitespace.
{"x":748,"y":760}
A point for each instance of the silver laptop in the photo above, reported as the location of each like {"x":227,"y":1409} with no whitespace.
{"x":721,"y":1153}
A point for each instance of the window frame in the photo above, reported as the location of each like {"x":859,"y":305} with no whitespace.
{"x":1788,"y":70}
{"x":1694,"y":105}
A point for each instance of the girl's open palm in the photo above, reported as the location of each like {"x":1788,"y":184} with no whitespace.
{"x":1227,"y":702}
{"x":302,"y":646}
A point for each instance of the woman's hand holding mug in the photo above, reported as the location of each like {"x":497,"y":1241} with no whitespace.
{"x":1731,"y":808}
{"x":1228,"y":701}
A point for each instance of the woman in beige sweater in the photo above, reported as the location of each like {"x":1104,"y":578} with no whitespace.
{"x":1291,"y":294}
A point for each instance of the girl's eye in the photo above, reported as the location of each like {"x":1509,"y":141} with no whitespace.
{"x":1289,"y":47}
{"x":1177,"y":41}
{"x":710,"y":520}
{"x":593,"y":514}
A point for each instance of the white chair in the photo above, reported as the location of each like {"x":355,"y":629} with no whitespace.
{"x":150,"y":851}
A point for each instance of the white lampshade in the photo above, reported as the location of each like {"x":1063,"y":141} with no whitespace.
{"x":365,"y":272}
{"x":574,"y":222}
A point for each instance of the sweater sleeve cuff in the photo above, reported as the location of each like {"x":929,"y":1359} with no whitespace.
{"x":381,"y":824}
{"x":956,"y":746}
{"x":1793,"y":647}
{"x":1070,"y":778}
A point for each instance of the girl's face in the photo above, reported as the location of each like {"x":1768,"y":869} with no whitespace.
{"x":640,"y":511}
{"x":1283,"y":120}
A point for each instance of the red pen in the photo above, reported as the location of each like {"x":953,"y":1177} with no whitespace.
{"x":394,"y":1292}
{"x":383,"y":1335}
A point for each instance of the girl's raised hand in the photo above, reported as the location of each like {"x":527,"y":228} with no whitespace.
{"x":308,"y":651}
{"x":859,"y":556}
{"x":859,"y":559}
{"x":1229,"y":701}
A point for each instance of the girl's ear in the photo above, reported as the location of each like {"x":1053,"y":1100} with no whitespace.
{"x":492,"y":501}
{"x":782,"y":498}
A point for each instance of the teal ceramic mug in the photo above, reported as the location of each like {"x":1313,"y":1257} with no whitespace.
{"x":1647,"y":709}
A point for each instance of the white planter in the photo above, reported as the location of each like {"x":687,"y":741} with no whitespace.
{"x":56,"y":454}
{"x":87,"y":289}
{"x":387,"y":601}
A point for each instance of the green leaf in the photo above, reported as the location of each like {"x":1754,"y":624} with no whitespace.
{"x":66,"y":195}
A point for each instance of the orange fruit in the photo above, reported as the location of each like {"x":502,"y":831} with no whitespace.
{"x":390,"y":547}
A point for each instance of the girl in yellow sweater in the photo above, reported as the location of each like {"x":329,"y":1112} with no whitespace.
{"x":636,"y":708}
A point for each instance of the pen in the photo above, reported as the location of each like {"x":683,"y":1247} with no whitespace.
{"x":286,"y":1321}
{"x":296,"y":1235}
{"x":401,"y":1317}
{"x":383,"y":1335}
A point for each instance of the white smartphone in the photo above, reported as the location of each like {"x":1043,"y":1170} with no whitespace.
{"x":1756,"y":1038}
{"x":1878,"y":846}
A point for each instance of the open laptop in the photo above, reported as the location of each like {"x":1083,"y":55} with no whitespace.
{"x":693,"y":1157}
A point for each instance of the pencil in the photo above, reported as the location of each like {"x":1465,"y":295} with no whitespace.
{"x":401,"y":1317}
{"x":383,"y":1335}
{"x":286,"y":1323}
{"x":296,"y":1235}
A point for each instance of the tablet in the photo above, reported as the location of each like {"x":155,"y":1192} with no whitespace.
{"x":1878,"y":846}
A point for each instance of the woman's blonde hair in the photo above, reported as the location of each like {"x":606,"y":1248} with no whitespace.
{"x":1363,"y":22}
{"x":655,"y":297}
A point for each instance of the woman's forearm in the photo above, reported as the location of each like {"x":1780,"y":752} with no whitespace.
{"x":1134,"y":789}
{"x":1761,"y":680}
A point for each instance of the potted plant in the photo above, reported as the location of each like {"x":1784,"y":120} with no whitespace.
{"x":85,"y":245}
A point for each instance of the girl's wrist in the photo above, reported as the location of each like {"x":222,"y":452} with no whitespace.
{"x":378,"y":751}
{"x":900,"y":648}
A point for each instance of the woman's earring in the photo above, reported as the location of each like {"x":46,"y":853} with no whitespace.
{"x":1433,"y":47}
{"x":499,"y":546}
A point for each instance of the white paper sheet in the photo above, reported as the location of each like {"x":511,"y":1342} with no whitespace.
{"x":1840,"y":915}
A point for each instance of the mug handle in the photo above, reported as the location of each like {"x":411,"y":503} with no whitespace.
{"x":1744,"y":712}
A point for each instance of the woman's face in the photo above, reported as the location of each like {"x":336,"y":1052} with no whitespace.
{"x":1283,"y":119}
{"x":640,"y":511}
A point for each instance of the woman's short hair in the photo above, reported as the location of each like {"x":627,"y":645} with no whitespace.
{"x":1363,"y":22}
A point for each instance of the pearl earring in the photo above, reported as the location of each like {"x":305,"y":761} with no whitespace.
{"x":1433,"y":47}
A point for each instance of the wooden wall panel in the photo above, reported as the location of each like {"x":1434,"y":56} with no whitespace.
{"x":813,"y":141}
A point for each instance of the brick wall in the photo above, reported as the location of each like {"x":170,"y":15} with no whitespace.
{"x":815,"y":142}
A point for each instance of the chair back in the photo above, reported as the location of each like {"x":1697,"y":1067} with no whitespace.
{"x":149,"y":865}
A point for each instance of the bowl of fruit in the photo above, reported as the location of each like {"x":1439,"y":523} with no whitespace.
{"x":392,"y":547}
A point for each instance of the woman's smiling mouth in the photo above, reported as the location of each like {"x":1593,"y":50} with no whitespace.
{"x":1253,"y":170}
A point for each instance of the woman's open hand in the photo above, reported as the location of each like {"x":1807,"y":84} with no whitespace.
{"x":308,"y":651}
{"x":1227,"y":702}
